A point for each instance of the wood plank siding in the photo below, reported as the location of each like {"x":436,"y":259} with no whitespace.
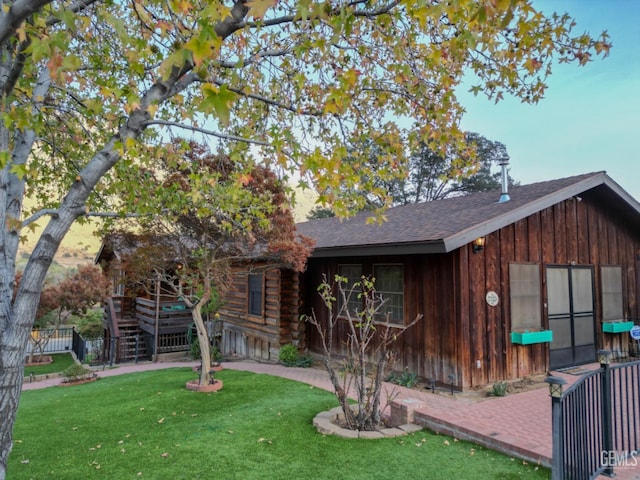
{"x":464,"y":340}
{"x":259,"y":336}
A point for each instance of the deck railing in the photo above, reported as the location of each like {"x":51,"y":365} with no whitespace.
{"x":596,"y":421}
{"x":127,"y":348}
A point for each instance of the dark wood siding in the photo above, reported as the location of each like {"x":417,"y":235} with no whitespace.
{"x":463,"y":339}
{"x":573,"y":232}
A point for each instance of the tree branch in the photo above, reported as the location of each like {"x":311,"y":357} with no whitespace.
{"x":53,"y":212}
{"x":206,"y":132}
{"x":268,"y":101}
{"x":75,"y":8}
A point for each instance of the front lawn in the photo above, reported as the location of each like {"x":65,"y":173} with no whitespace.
{"x":60,"y":363}
{"x":147,"y":425}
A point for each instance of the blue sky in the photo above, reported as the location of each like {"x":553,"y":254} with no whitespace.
{"x":590,"y":118}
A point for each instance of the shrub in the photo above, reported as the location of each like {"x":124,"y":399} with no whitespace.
{"x":404,"y":379}
{"x":368,"y":345}
{"x":90,"y":326}
{"x":195,"y":349}
{"x":499,"y":389}
{"x":216,"y":356}
{"x":288,"y":355}
{"x":76,"y":372}
{"x":306,"y":361}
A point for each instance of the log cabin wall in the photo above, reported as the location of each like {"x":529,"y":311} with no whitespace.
{"x":463,"y":340}
{"x":259,"y":337}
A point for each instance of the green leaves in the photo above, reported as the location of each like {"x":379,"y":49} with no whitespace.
{"x":218,"y":100}
{"x":305,"y":83}
{"x":258,"y":8}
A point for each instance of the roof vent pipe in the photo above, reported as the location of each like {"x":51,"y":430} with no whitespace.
{"x":504,"y":197}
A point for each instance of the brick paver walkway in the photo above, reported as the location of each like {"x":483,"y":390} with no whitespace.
{"x":517,"y":424}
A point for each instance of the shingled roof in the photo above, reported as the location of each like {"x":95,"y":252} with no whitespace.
{"x":444,"y":225}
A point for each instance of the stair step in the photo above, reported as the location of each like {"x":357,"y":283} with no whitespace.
{"x":128,"y":324}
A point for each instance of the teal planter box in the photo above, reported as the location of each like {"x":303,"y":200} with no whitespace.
{"x":617,"y":327}
{"x":527,"y":338}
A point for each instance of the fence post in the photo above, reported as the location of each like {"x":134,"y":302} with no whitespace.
{"x":112,"y":350}
{"x":137,"y":346}
{"x":557,"y":427}
{"x":607,"y":426}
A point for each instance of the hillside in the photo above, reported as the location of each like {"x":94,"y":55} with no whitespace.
{"x":81,"y":245}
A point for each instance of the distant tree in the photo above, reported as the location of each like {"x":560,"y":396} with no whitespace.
{"x":490,"y":154}
{"x":434,"y":176}
{"x":75,"y":295}
{"x":320,"y":212}
{"x":431,"y":175}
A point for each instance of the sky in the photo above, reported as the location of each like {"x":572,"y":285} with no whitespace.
{"x":589,"y":119}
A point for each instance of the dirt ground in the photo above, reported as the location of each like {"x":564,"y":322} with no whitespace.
{"x":485,"y":392}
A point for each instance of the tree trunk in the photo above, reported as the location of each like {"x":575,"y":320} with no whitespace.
{"x":12,"y":365}
{"x":203,"y":340}
{"x":17,"y":315}
{"x":340,"y":392}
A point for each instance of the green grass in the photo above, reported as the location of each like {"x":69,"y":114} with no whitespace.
{"x":60,"y":363}
{"x":147,"y":425}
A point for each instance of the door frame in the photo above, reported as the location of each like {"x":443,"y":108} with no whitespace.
{"x":575,"y":354}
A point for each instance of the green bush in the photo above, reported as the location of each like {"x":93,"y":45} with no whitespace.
{"x":76,"y":372}
{"x":404,"y":379}
{"x":195,"y":349}
{"x":290,"y":357}
{"x":499,"y":389}
{"x":90,"y":326}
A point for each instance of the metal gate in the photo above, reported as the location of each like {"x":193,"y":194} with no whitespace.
{"x":596,"y":421}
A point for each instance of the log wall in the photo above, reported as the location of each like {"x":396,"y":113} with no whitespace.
{"x":259,"y":337}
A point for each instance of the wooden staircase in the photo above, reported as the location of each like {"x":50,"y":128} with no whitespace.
{"x":124,"y":341}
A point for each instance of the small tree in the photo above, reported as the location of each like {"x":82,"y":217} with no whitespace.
{"x":75,"y":295}
{"x":229,"y":212}
{"x":369,"y":340}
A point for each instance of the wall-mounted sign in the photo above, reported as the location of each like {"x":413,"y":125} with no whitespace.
{"x":635,"y":332}
{"x":492,"y":298}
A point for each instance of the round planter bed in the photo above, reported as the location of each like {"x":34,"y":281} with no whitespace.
{"x":194,"y":386}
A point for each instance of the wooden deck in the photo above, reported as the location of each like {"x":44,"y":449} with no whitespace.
{"x":132,"y":326}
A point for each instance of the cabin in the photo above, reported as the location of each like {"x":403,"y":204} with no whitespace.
{"x":510,"y":284}
{"x":259,"y":312}
{"x":137,"y":323}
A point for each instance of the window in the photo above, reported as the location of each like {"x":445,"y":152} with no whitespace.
{"x":118,"y":283}
{"x":524,"y":283}
{"x":612,"y":306}
{"x":390,"y":285}
{"x":255,"y":294}
{"x":353,"y":274}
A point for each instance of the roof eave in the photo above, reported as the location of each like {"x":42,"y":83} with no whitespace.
{"x":480,"y":230}
{"x":385,"y":249}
